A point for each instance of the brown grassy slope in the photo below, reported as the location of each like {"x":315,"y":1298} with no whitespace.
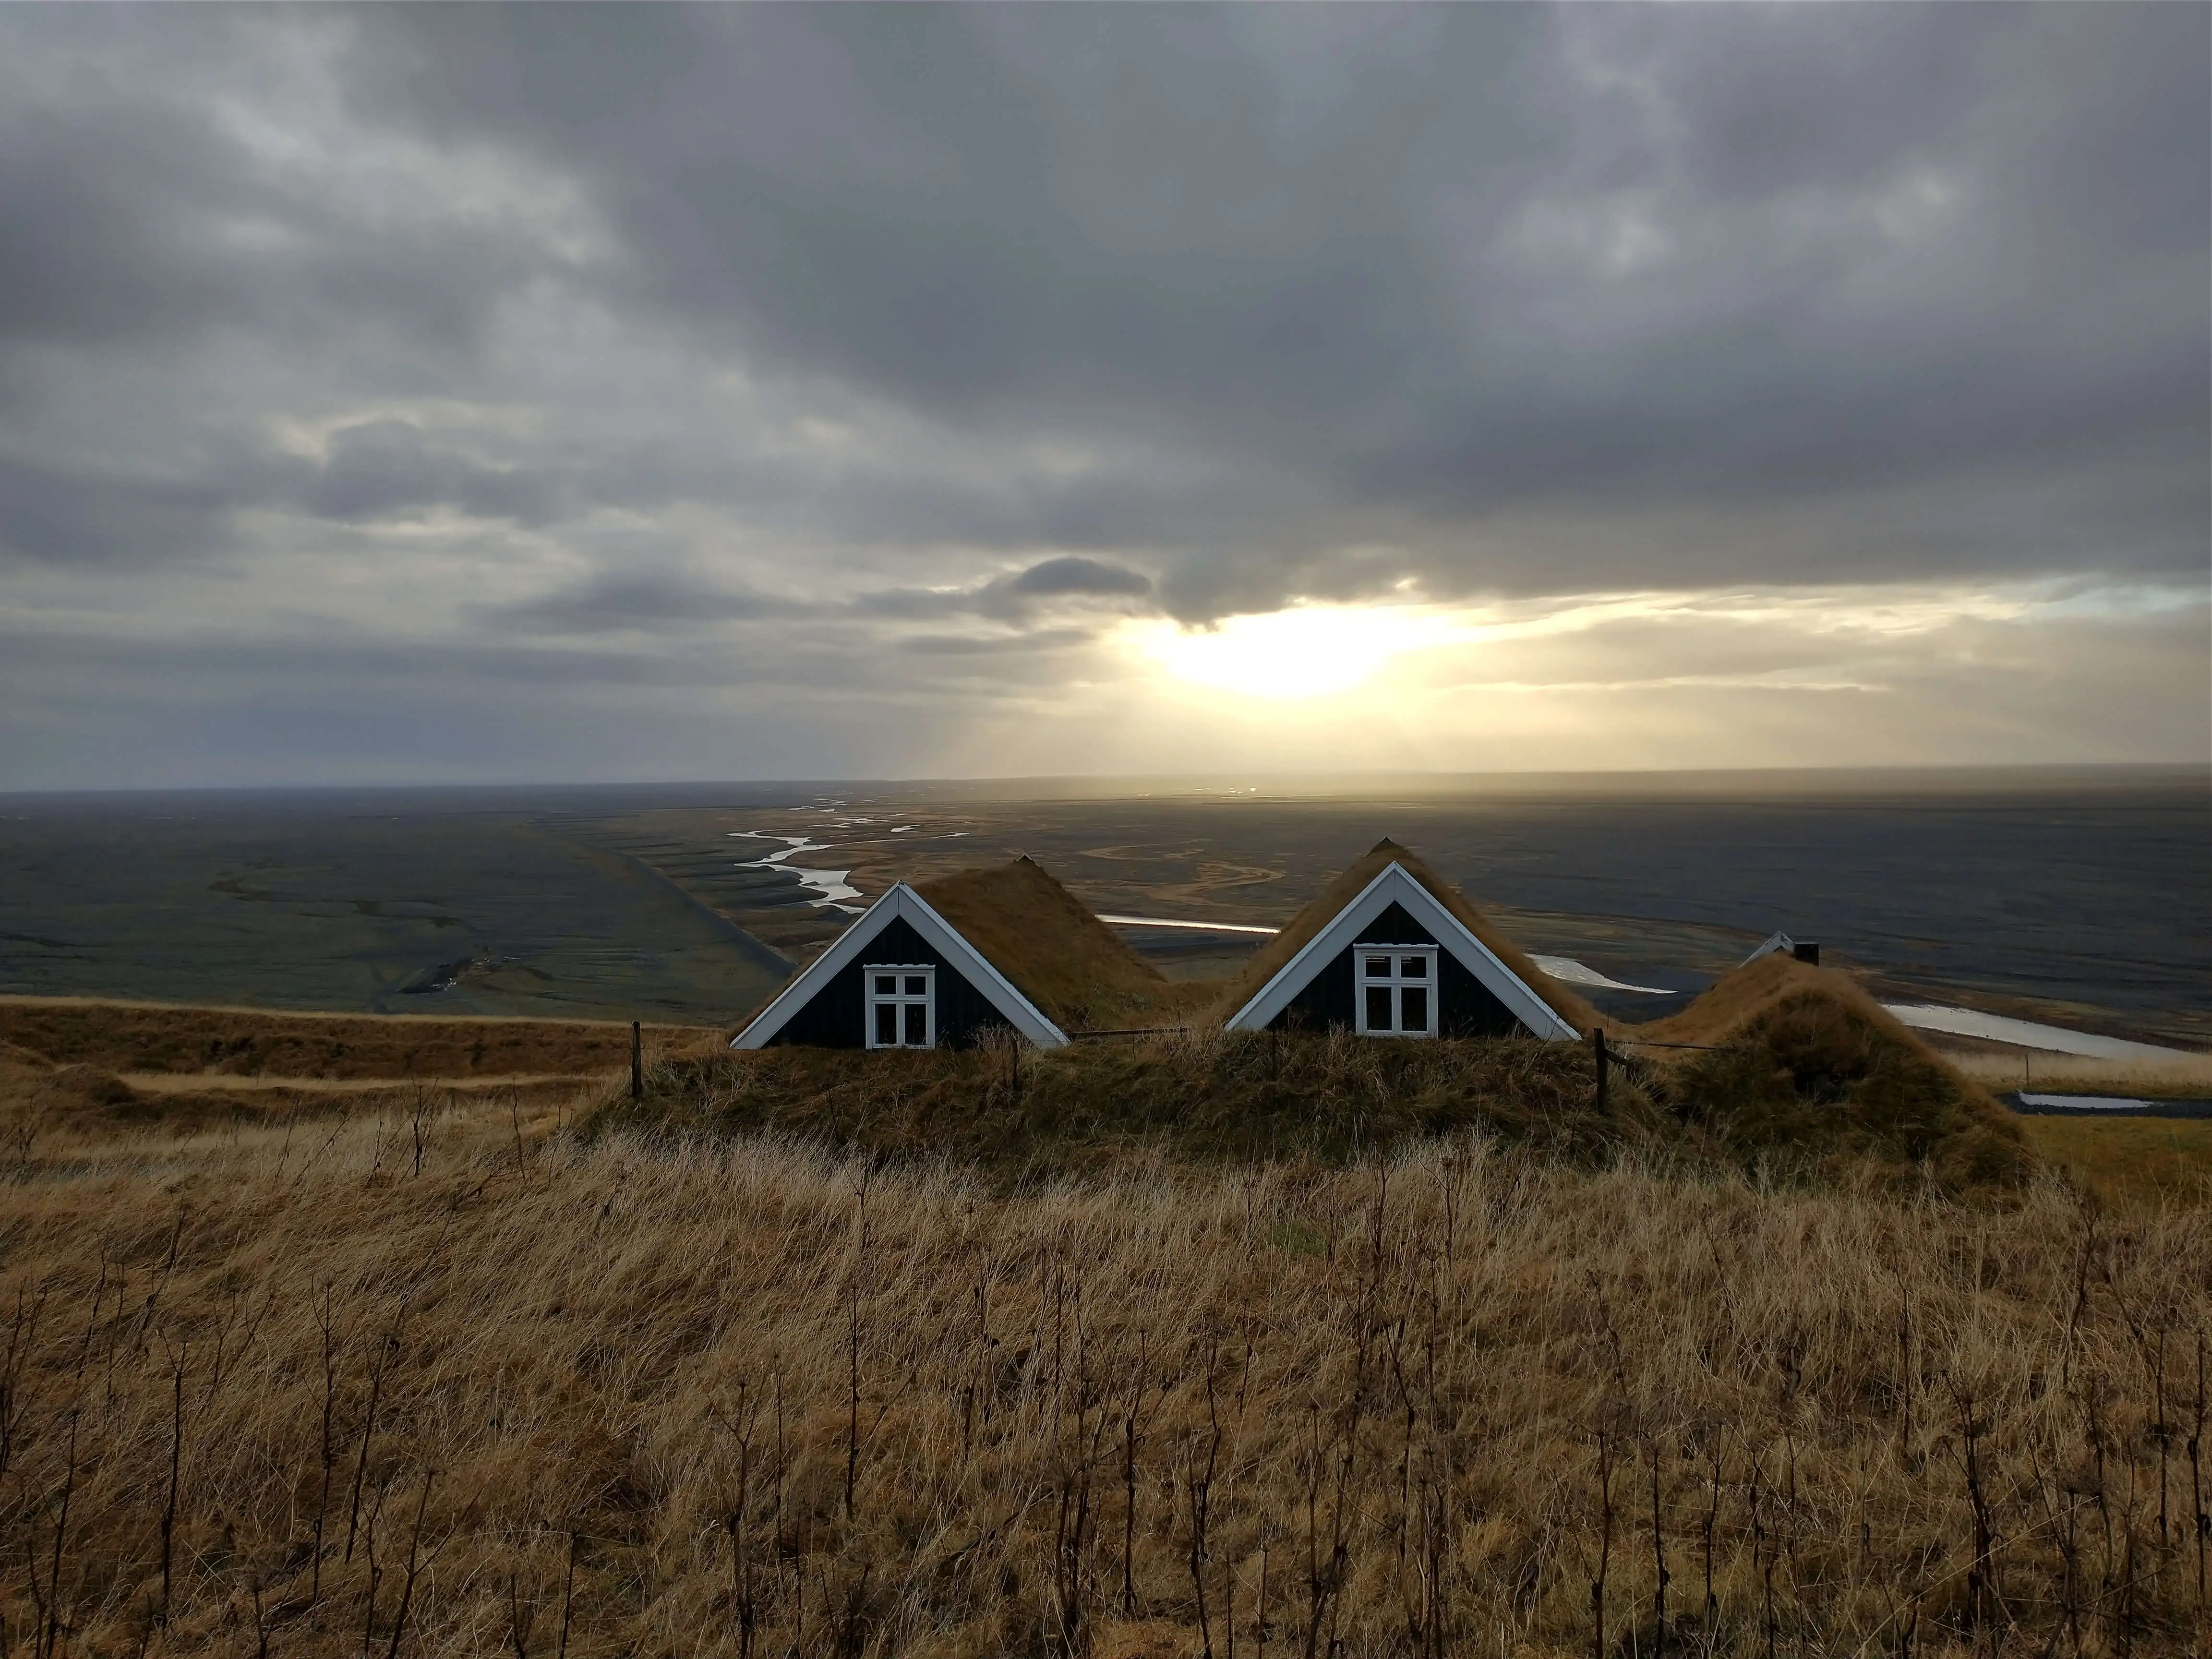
{"x":54,"y":1109}
{"x":1271,"y":956}
{"x":39,"y":1098}
{"x":76,"y":1072}
{"x":142,"y":1036}
{"x":658,"y":1399}
{"x":1803,"y":1057}
{"x":1072,"y":965}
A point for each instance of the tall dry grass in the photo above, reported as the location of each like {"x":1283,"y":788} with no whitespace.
{"x":304,"y":1395}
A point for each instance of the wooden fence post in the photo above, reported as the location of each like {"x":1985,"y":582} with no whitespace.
{"x":637,"y":1062}
{"x":1597,"y":1039}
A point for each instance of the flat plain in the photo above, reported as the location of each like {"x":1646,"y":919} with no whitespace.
{"x":2052,"y":895}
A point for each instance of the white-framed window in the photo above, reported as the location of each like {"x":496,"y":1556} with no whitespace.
{"x":901,"y":1010}
{"x":1393,"y":989}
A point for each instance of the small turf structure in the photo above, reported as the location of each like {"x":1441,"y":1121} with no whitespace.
{"x":1310,"y":922}
{"x":951,"y":961}
{"x":1778,"y":1065}
{"x":1784,"y":1055}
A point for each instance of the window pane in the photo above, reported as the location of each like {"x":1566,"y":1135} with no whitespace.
{"x":1413,"y":1008}
{"x":887,"y":1024}
{"x":885,"y":984}
{"x":1378,"y":1008}
{"x":1378,"y":967}
{"x":1413,"y":967}
{"x":916,"y":985}
{"x":917,"y":1025}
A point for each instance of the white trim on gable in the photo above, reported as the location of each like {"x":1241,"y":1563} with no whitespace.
{"x":1394,"y":886}
{"x":1774,"y":942}
{"x":902,"y":902}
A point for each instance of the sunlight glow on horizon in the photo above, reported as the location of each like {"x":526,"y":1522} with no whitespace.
{"x":1306,"y":651}
{"x":1395,"y":656}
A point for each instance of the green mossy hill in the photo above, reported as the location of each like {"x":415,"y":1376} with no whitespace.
{"x":1206,"y":1098}
{"x":1803,"y":1065}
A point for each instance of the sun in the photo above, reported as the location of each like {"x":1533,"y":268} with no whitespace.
{"x":1305,"y":651}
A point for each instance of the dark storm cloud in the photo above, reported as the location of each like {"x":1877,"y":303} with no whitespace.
{"x":1438,"y":267}
{"x":1455,"y":263}
{"x":623,"y":601}
{"x":831,"y":323}
{"x":679,"y":600}
{"x":1074,"y":575}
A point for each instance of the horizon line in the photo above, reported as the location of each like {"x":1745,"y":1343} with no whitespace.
{"x":1217,"y":781}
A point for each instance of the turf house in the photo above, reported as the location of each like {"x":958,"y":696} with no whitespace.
{"x":1391,"y":949}
{"x":937,"y":964}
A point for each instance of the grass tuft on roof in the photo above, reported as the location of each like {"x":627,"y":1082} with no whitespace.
{"x":1271,"y":958}
{"x":1073,"y":966}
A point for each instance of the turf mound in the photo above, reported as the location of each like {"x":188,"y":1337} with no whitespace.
{"x":1802,"y":1060}
{"x":1207,"y":1097}
{"x":1072,"y":965}
{"x":1347,"y":887}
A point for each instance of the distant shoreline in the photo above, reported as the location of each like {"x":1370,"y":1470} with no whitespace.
{"x":1716,"y":781}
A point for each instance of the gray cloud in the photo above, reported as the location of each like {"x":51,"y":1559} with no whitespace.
{"x":1090,"y":577}
{"x":137,"y":214}
{"x":621,"y":602}
{"x":1456,"y":263}
{"x":65,"y":515}
{"x":383,"y":469}
{"x":666,"y":599}
{"x":846,"y":321}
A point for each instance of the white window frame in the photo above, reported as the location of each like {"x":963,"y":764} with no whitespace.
{"x":1397,"y":981}
{"x":900,"y":998}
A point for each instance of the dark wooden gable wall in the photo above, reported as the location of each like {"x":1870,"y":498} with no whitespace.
{"x":1465,"y":1005}
{"x":835,"y":1015}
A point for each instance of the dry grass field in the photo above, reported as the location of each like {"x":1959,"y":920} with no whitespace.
{"x":147,"y":1037}
{"x":75,"y":1070}
{"x":2129,"y":1162}
{"x":547,"y":1374}
{"x":2186,"y":1076}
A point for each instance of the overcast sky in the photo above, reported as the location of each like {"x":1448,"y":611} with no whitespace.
{"x":415,"y":394}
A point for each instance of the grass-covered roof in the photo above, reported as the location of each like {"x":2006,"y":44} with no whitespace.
{"x":1347,"y":887}
{"x":1079,"y":971}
